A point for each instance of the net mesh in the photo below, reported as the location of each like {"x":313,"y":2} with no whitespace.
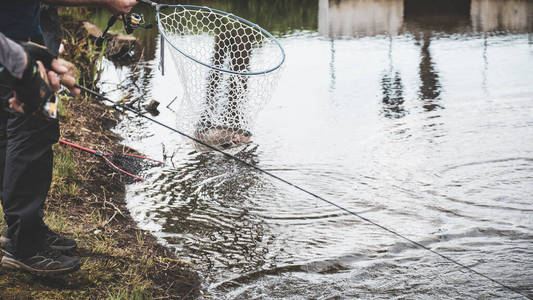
{"x":228,"y":70}
{"x":132,"y":164}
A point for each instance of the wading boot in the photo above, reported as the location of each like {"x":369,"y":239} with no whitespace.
{"x":47,"y":262}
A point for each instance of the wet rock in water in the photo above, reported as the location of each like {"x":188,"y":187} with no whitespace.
{"x":92,"y":30}
{"x":152,"y":107}
{"x":123,"y":49}
{"x":222,"y":137}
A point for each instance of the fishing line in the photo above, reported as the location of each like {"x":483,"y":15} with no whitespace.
{"x":306,"y":191}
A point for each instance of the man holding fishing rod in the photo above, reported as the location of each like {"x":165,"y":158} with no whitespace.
{"x":29,"y":76}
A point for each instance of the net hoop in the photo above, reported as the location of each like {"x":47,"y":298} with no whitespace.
{"x":224,"y":14}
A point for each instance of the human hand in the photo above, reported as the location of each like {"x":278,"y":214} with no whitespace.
{"x":118,"y":7}
{"x":67,"y":75}
{"x":60,"y":72}
{"x":55,"y":67}
{"x":18,"y":106}
{"x":15,"y":104}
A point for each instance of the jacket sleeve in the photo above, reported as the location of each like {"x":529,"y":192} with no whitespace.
{"x":12,"y":56}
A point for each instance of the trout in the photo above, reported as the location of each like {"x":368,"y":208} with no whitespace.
{"x":222,"y":137}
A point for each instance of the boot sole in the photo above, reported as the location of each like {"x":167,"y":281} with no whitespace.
{"x":11,"y":263}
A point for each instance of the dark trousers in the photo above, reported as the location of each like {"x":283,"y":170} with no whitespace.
{"x":26,"y":162}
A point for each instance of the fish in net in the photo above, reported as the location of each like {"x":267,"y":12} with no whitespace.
{"x":227,"y":67}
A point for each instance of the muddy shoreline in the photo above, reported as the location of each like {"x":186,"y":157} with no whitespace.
{"x":87,"y":203}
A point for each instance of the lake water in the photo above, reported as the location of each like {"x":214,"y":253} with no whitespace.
{"x":417,"y":115}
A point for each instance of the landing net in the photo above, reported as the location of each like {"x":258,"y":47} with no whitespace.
{"x":228,"y":69}
{"x":131,"y":165}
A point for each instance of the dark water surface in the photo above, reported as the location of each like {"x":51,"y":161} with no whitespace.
{"x":415,"y":114}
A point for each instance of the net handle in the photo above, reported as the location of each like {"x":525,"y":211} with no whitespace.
{"x":77,"y":146}
{"x":158,"y":8}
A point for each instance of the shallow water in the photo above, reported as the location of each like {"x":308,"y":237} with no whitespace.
{"x":417,"y":118}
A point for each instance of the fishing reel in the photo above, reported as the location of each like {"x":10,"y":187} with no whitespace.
{"x":131,"y":21}
{"x":33,"y":89}
{"x":41,"y":103}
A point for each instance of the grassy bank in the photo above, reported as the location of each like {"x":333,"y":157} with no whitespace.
{"x":86,"y":202}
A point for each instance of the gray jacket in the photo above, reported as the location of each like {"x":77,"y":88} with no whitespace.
{"x":12,"y":56}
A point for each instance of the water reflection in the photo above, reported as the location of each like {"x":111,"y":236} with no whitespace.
{"x":332,"y":66}
{"x":351,"y":18}
{"x":484,"y":83}
{"x":358,"y":18}
{"x":392,"y":90}
{"x":208,"y":200}
{"x":442,"y":16}
{"x":501,"y":15}
{"x":430,"y":88}
{"x":424,"y":20}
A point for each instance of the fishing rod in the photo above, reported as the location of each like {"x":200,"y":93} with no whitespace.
{"x":94,"y":93}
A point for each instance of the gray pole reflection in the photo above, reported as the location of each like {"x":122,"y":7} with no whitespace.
{"x":324,"y":30}
{"x":332,"y":75}
{"x":430,"y":87}
{"x":392,"y":90}
{"x":424,"y":19}
{"x":484,"y":83}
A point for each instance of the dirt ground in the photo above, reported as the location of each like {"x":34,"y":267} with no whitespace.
{"x":87,"y":203}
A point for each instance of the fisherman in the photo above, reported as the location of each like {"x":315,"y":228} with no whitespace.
{"x":26,"y":139}
{"x":25,"y":151}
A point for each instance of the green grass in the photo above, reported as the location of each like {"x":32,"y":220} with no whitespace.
{"x":58,"y":222}
{"x":137,"y":293}
{"x":64,"y":164}
{"x":64,"y":175}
